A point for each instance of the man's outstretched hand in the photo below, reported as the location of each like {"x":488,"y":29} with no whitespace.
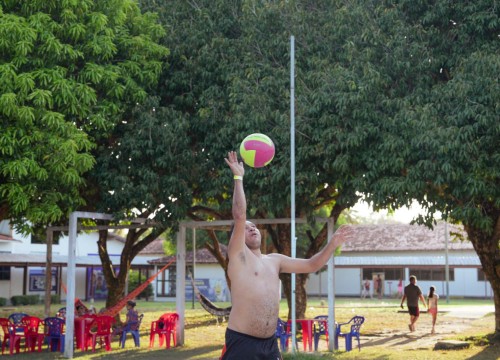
{"x":236,"y":167}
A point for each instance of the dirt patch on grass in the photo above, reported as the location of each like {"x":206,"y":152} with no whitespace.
{"x":451,"y":325}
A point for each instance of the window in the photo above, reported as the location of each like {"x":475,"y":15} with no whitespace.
{"x":481,"y":276}
{"x":432,"y":274}
{"x":5,"y":227}
{"x":389,"y":274}
{"x":165,"y":282}
{"x":4,"y":272}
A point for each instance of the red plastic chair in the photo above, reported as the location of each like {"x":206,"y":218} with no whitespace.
{"x":33,"y":334}
{"x":83,"y":336}
{"x":101,"y":329}
{"x":8,"y":329}
{"x":166,"y":329}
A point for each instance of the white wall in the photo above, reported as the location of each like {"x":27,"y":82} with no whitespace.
{"x":347,"y":282}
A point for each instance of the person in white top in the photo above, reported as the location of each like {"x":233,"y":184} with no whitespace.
{"x":432,"y":306}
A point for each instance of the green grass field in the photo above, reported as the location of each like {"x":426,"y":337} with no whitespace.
{"x":204,"y":337}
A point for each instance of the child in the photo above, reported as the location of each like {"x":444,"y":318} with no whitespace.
{"x":132,"y":315}
{"x":432,"y":306}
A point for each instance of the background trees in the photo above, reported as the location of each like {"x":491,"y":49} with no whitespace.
{"x":398,"y":101}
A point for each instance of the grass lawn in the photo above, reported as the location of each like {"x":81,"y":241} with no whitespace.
{"x":204,"y":337}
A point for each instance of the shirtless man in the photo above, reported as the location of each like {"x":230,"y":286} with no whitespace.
{"x":255,"y":284}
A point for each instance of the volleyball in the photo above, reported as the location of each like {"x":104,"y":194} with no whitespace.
{"x":257,"y":150}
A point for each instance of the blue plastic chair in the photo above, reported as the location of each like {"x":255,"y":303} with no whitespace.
{"x":320,"y":328}
{"x":355,"y":325}
{"x":283,"y":333}
{"x":54,"y":333}
{"x":15,"y":318}
{"x":133,"y":329}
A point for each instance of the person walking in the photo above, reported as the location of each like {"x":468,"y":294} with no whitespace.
{"x":412,"y":294}
{"x":255,"y":282}
{"x":432,"y":306}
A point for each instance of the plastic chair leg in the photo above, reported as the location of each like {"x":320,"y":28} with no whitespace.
{"x":348,"y":342}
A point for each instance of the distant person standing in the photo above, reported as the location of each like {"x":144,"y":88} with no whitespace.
{"x":366,"y":289}
{"x":379,"y":286}
{"x":432,"y":306}
{"x":400,"y":288}
{"x":411,"y":294}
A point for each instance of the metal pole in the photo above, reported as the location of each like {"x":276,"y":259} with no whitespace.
{"x":292,"y":180}
{"x":446,"y":266}
{"x":194,"y":266}
{"x":48,"y":272}
{"x":70,"y":280}
{"x":331,"y":292}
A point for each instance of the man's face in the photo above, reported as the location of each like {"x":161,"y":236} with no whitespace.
{"x":252,"y":236}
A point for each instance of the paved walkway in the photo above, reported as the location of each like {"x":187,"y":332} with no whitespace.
{"x":465,"y":312}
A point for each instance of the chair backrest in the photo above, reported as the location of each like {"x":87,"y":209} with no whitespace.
{"x":61,"y":313}
{"x":31,"y":324}
{"x":102,"y":324}
{"x":321,"y":327}
{"x":16,"y":318}
{"x":170,"y":320}
{"x":6,"y":325}
{"x":357,"y":321}
{"x":281,"y":328}
{"x":54,"y":326}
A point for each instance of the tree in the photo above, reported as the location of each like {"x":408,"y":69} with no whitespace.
{"x":229,"y":76}
{"x":69,"y":70}
{"x":447,"y":156}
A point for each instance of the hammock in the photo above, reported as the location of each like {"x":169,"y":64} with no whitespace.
{"x":112,"y":311}
{"x":207,"y":304}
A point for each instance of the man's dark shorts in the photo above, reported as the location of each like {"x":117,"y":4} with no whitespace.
{"x":245,"y":347}
{"x":414,"y":310}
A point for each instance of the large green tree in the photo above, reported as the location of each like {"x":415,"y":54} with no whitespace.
{"x":229,"y":76}
{"x":447,"y":154}
{"x":69,"y":70}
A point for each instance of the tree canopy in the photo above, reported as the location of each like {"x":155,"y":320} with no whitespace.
{"x":69,"y":70}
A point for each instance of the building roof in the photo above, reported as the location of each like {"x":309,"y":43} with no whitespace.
{"x":154,"y":247}
{"x":401,"y":237}
{"x":8,"y":238}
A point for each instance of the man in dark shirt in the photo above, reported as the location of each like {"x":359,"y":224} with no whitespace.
{"x":411,"y":294}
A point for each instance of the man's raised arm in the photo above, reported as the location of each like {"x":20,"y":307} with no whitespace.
{"x":237,"y":241}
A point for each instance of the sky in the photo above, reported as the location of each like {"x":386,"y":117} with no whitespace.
{"x":404,"y":215}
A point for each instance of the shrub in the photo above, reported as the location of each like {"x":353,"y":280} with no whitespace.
{"x":133,"y":283}
{"x":3,"y":301}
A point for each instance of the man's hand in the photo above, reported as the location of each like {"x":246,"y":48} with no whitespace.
{"x":236,"y":167}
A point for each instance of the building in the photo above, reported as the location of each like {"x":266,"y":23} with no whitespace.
{"x":393,"y":251}
{"x":396,"y":251}
{"x":23,"y":260}
{"x":205,"y":271}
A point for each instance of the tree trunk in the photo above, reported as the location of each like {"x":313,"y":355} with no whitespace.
{"x":487,"y":248}
{"x":115,"y":281}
